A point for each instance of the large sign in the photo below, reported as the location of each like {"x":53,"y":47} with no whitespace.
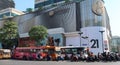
{"x":95,"y":38}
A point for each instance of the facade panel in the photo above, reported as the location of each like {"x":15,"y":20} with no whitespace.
{"x":62,"y":16}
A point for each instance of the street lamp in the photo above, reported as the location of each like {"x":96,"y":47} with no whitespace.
{"x":86,"y":37}
{"x":80,"y":37}
{"x":102,"y":39}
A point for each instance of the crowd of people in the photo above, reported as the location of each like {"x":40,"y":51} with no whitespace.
{"x":90,"y":57}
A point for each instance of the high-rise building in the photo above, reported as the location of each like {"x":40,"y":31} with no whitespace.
{"x":6,"y":4}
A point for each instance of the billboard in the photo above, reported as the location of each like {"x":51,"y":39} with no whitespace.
{"x":95,"y":38}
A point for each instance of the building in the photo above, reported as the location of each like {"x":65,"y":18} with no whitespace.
{"x":47,"y":3}
{"x":115,"y":44}
{"x":6,"y":4}
{"x":88,"y":16}
{"x":9,"y":12}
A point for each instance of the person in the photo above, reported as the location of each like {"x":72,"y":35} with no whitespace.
{"x":60,"y":57}
{"x":48,"y":57}
{"x":66,"y":57}
{"x":74,"y":57}
{"x":38,"y":55}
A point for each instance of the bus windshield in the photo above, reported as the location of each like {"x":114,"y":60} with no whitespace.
{"x":70,"y":50}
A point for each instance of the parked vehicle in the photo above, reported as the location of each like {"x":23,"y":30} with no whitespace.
{"x":5,"y":53}
{"x":74,"y":52}
{"x":25,"y":53}
{"x":34,"y":53}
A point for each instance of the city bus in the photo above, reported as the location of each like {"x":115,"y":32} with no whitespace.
{"x":30,"y":53}
{"x":5,"y":53}
{"x":51,"y":51}
{"x":25,"y":53}
{"x":69,"y":50}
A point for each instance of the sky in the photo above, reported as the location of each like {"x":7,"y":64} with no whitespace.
{"x":112,"y":6}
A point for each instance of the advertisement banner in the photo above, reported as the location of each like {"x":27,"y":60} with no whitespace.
{"x":95,"y":38}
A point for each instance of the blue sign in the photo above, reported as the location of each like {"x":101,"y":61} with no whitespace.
{"x":84,"y":44}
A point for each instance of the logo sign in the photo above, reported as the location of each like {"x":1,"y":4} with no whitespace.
{"x":51,"y":13}
{"x":98,"y":7}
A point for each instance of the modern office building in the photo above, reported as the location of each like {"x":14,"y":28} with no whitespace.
{"x":9,"y":12}
{"x":6,"y":4}
{"x":88,"y":16}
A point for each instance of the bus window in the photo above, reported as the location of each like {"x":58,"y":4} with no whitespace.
{"x":72,"y":49}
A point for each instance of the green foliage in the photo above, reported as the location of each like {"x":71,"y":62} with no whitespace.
{"x":28,"y":10}
{"x":38,"y":33}
{"x":8,"y":33}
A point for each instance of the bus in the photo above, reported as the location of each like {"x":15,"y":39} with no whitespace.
{"x":25,"y":53}
{"x":5,"y":53}
{"x":69,"y":50}
{"x":30,"y":53}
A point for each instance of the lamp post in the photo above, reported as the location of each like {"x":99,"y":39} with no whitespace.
{"x":86,"y":37}
{"x":80,"y":37}
{"x":102,"y":39}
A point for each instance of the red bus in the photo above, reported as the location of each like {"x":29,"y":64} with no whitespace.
{"x":25,"y":53}
{"x":30,"y":53}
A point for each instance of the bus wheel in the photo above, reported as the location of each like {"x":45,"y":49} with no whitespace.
{"x":24,"y":58}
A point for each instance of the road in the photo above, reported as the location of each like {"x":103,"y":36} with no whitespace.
{"x":21,"y":62}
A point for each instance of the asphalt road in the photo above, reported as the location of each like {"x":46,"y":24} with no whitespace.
{"x":21,"y":62}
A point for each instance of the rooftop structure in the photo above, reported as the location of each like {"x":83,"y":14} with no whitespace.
{"x":9,"y":12}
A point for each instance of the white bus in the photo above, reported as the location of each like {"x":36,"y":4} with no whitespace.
{"x":69,"y":50}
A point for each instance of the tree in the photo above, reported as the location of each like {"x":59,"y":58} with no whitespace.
{"x":38,"y":33}
{"x":8,"y":34}
{"x":28,"y":10}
